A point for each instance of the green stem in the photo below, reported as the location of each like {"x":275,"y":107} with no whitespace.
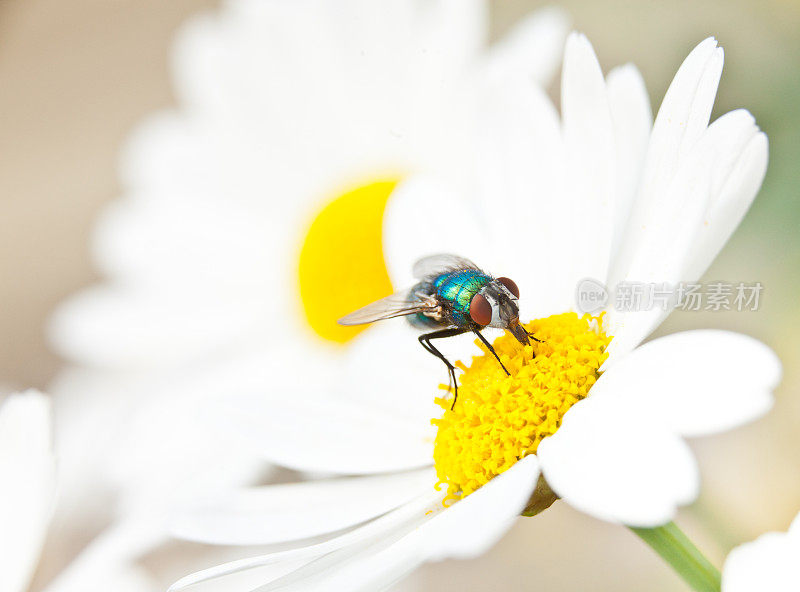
{"x":675,"y":548}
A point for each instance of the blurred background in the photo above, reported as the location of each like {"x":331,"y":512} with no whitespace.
{"x":77,"y":75}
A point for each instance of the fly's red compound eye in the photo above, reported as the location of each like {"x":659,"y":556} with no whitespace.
{"x":480,"y":310}
{"x":510,"y":285}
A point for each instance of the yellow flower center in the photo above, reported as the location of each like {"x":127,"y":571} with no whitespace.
{"x":341,"y":261}
{"x":499,"y":419}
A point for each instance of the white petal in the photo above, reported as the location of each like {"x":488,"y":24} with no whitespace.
{"x":27,"y":485}
{"x":424,"y":217}
{"x":386,"y":368}
{"x":88,"y":425}
{"x":388,"y":72}
{"x":375,"y":554}
{"x":667,"y":243}
{"x":110,"y":557}
{"x":684,"y":112}
{"x":464,"y":530}
{"x":213,"y":246}
{"x":153,"y":441}
{"x":633,"y":120}
{"x":519,"y":183}
{"x":277,"y":513}
{"x":129,"y":578}
{"x":472,"y":526}
{"x":532,"y":49}
{"x":458,"y":28}
{"x":590,"y":154}
{"x":170,"y":449}
{"x":794,"y":529}
{"x":617,"y":465}
{"x":767,"y":563}
{"x":170,"y":155}
{"x":682,"y":211}
{"x":125,"y":578}
{"x":681,"y":120}
{"x":314,"y":430}
{"x":111,"y":326}
{"x":697,"y":382}
{"x":374,"y":530}
{"x":198,"y":67}
{"x":730,"y":204}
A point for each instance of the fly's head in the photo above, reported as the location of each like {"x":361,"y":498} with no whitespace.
{"x":497,"y":305}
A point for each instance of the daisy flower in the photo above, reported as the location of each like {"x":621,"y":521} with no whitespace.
{"x":594,"y":418}
{"x":767,"y":563}
{"x":283,"y":108}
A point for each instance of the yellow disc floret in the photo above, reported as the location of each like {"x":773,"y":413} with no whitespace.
{"x":499,"y":419}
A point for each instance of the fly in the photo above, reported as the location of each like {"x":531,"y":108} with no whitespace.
{"x":453,"y":296}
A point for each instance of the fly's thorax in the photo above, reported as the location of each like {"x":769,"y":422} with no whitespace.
{"x":505,"y":305}
{"x":455,"y":291}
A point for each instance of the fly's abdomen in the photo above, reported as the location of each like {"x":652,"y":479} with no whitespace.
{"x":457,"y":289}
{"x":421,"y":320}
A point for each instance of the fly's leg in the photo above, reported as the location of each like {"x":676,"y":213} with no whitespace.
{"x":530,"y":336}
{"x":451,"y":371}
{"x":491,"y":349}
{"x":425,"y":341}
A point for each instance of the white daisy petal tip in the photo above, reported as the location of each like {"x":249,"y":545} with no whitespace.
{"x":795,"y":526}
{"x":28,"y":417}
{"x":626,"y":86}
{"x":619,"y":455}
{"x":711,"y":73}
{"x":709,"y":41}
{"x":725,"y":379}
{"x":581,"y":72}
{"x":28,"y":404}
{"x":580,"y":69}
{"x":553,"y":16}
{"x":577,"y":37}
{"x":701,"y":52}
{"x":578,"y":46}
{"x":626,"y":76}
{"x":532,"y":49}
{"x":609,"y":463}
{"x":767,"y":563}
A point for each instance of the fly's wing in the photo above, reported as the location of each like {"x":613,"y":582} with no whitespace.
{"x":441,"y":263}
{"x":399,"y":304}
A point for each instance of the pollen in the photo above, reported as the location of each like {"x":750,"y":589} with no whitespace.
{"x":499,"y":419}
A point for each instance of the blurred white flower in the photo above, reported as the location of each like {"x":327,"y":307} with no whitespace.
{"x":558,"y":201}
{"x":767,"y":563}
{"x":27,"y":497}
{"x":283,"y":106}
{"x":27,"y":488}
